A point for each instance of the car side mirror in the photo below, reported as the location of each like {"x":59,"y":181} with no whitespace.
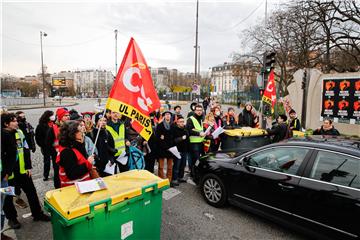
{"x":246,"y":161}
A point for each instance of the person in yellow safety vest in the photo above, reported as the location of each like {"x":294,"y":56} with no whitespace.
{"x":116,"y":127}
{"x":21,"y":177}
{"x":197,"y":135}
{"x":293,"y":122}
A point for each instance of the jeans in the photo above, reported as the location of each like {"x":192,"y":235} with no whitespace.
{"x":4,"y":183}
{"x":179,"y":166}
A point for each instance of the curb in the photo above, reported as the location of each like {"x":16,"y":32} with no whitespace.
{"x":38,"y":107}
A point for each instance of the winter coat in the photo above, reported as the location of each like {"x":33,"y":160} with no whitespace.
{"x":322,"y":131}
{"x":41,"y":132}
{"x":106,"y":148}
{"x":246,"y":119}
{"x":181,"y":144}
{"x":295,"y":124}
{"x":229,"y":121}
{"x":28,"y":131}
{"x":279,"y":131}
{"x":8,"y":152}
{"x":166,"y":143}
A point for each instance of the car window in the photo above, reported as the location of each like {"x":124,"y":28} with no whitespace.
{"x":286,"y":160}
{"x":336,"y":168}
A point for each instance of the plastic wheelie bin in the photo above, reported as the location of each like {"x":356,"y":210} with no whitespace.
{"x":244,"y":139}
{"x":130,"y":208}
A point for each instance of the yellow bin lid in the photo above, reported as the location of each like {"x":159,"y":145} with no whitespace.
{"x":298,"y":133}
{"x":246,"y":132}
{"x":71,"y":204}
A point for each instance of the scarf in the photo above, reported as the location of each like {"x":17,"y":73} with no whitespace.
{"x":166,"y":125}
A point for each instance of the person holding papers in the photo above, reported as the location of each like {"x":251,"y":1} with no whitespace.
{"x":74,"y":163}
{"x":105,"y":144}
{"x":182,"y":142}
{"x":164,"y":137}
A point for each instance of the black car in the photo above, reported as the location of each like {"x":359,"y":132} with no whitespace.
{"x":311,"y":184}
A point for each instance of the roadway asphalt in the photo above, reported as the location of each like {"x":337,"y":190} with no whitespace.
{"x":185,"y":215}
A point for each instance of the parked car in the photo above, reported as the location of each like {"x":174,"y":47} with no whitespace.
{"x":311,"y":184}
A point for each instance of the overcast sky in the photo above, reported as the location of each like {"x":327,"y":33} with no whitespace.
{"x":81,"y":34}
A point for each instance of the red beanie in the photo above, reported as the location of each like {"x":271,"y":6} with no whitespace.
{"x":60,"y":112}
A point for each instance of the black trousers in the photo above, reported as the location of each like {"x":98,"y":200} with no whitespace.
{"x":24,"y":182}
{"x":57,"y":183}
{"x":149,"y":162}
{"x":47,"y":159}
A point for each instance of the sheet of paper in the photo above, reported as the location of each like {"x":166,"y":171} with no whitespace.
{"x":217,"y":132}
{"x":8,"y":191}
{"x":123,"y":159}
{"x":127,"y":230}
{"x":175,"y":152}
{"x":208,"y":130}
{"x":90,"y":185}
{"x":110,"y":168}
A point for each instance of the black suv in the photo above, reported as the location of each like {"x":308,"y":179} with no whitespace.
{"x":311,"y":184}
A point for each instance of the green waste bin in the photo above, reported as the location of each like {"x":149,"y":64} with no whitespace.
{"x":130,"y":208}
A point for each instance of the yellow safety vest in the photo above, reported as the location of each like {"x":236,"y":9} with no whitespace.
{"x":198,"y":128}
{"x":20,"y":137}
{"x":119,"y":138}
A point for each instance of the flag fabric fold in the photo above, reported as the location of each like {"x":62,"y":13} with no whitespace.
{"x":133,"y":93}
{"x":270,"y":91}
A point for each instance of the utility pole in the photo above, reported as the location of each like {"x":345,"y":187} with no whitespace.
{"x":116,"y":69}
{"x":262,"y":106}
{"x":199,"y":75}
{"x":42,"y":65}
{"x":196,"y":37}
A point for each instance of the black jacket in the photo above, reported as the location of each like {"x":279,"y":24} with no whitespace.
{"x":181,"y":144}
{"x":8,"y":152}
{"x":28,"y":131}
{"x":41,"y":132}
{"x":246,"y":119}
{"x":69,"y":162}
{"x":322,"y":131}
{"x":50,"y":138}
{"x":279,"y":131}
{"x":166,"y":143}
{"x":105,"y":146}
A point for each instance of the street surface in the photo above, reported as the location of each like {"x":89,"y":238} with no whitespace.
{"x":185,"y":215}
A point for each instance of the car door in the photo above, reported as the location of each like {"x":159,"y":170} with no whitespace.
{"x":268,"y":179}
{"x":329,"y":193}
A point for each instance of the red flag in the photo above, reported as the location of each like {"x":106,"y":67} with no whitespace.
{"x":270,"y":91}
{"x":133,"y":93}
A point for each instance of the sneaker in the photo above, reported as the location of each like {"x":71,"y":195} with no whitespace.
{"x":42,"y":217}
{"x":20,"y":203}
{"x":174,"y":183}
{"x":45,"y":179}
{"x":5,"y":237}
{"x":14,"y":223}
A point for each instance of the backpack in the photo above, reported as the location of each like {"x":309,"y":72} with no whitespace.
{"x":135,"y":158}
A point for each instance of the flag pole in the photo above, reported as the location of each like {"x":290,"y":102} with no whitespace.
{"x":98,"y":132}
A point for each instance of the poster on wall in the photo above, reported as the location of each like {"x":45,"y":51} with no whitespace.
{"x":341,"y":100}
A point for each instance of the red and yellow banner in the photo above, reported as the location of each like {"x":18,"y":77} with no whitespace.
{"x":133,"y":93}
{"x":270,"y":91}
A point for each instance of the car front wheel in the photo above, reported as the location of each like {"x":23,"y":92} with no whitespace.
{"x":213,"y":190}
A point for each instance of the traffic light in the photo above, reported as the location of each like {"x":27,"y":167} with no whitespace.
{"x":269,"y":61}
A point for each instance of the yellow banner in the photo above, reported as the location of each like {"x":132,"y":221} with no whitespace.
{"x":181,"y":89}
{"x":133,"y":113}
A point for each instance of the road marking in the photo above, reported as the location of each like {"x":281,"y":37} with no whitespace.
{"x":170,"y":193}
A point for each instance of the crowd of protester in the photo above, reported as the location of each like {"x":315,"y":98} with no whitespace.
{"x":80,"y":146}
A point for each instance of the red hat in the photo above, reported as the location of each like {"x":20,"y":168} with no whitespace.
{"x":87,"y":113}
{"x":60,"y":112}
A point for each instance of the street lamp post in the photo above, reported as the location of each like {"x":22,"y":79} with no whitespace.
{"x":42,"y":65}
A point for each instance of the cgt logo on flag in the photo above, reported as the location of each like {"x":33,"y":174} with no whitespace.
{"x":270,"y":91}
{"x":133,"y":93}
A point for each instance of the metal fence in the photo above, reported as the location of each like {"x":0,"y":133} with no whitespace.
{"x":21,"y":101}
